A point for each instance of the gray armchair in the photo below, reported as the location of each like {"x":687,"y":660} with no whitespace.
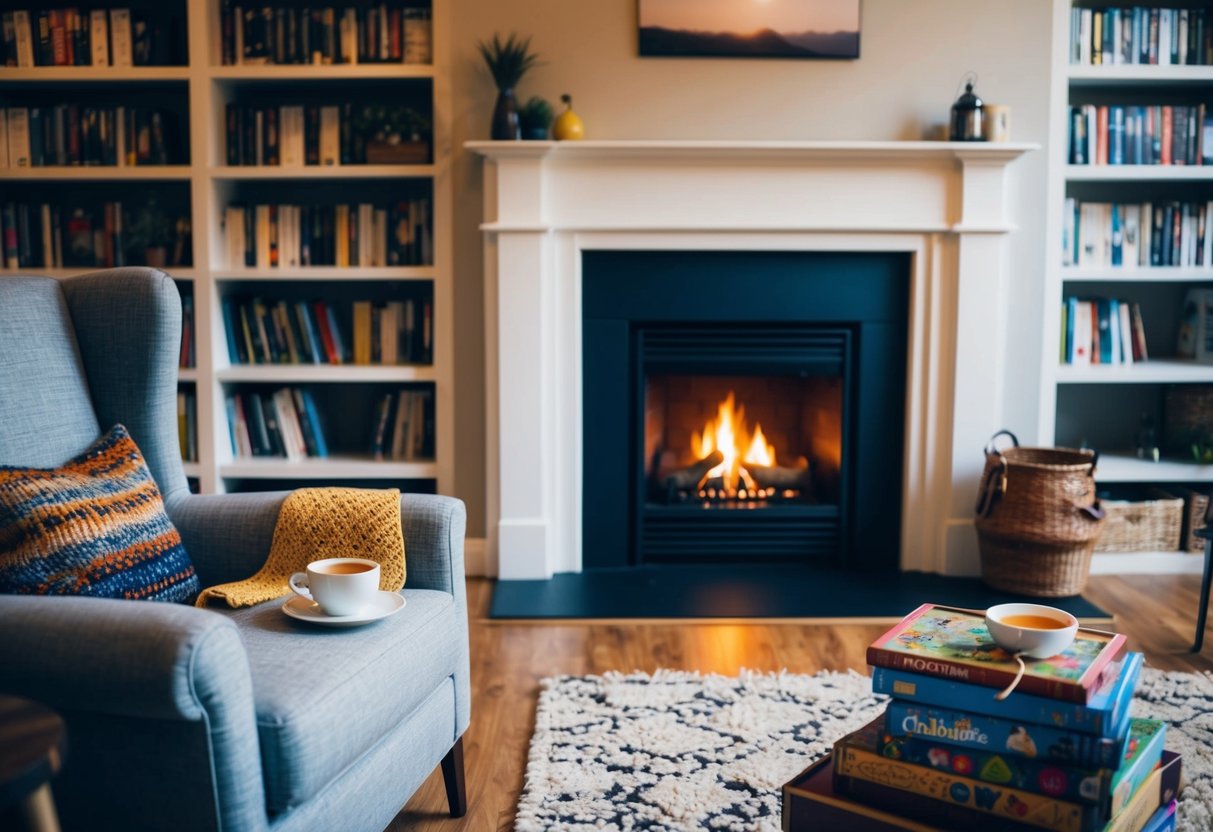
{"x":182,"y":718}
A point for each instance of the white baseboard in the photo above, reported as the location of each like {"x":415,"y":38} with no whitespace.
{"x":476,"y":557}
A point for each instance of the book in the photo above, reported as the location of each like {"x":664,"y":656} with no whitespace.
{"x":1163,"y":820}
{"x":121,"y":51}
{"x":1008,"y":738}
{"x":1160,"y":788}
{"x":1105,"y":715}
{"x":954,"y":643}
{"x":811,"y":803}
{"x":1019,"y":755}
{"x":857,"y":756}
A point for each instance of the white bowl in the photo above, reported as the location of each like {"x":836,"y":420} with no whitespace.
{"x":1038,"y":643}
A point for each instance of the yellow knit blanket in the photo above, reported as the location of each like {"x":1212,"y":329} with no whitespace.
{"x":318,"y":523}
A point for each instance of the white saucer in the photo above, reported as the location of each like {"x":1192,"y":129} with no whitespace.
{"x":385,"y":604}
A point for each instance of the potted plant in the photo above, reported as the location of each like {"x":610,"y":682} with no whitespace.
{"x":534,"y":118}
{"x":150,"y":233}
{"x":507,"y":62}
{"x":395,"y":135}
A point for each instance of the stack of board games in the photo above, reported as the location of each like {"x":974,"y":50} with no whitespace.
{"x":1062,"y":752}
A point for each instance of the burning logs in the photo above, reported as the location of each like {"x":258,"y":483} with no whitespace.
{"x":688,"y":478}
{"x":779,"y":477}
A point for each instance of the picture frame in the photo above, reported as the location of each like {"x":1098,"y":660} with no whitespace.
{"x":796,"y":29}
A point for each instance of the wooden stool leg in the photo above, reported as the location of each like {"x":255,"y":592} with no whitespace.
{"x":452,"y":776}
{"x":39,"y":811}
{"x":1203,"y":612}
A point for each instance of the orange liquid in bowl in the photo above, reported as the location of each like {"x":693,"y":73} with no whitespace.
{"x":1033,"y":622}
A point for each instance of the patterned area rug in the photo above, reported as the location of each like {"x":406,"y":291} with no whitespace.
{"x":679,"y":751}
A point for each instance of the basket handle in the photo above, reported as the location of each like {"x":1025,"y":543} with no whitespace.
{"x":1095,"y":511}
{"x":1094,"y":461}
{"x":990,"y":447}
{"x":993,"y":485}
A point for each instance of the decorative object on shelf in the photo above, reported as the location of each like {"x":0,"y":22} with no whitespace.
{"x":1188,"y":421}
{"x":967,"y":114}
{"x":151,"y":233}
{"x":1038,"y":518}
{"x":395,"y":135}
{"x":745,"y":29}
{"x":535,"y":118}
{"x":997,"y":126}
{"x":1147,"y":439}
{"x":568,"y":125}
{"x":507,"y":62}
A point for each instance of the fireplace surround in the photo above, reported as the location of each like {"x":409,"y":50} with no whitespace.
{"x":943,"y":207}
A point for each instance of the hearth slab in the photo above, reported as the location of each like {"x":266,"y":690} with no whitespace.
{"x":765,"y":591}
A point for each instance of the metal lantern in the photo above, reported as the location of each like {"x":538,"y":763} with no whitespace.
{"x":967,"y":115}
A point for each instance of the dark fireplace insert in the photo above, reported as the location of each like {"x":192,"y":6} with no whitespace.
{"x":743,"y":407}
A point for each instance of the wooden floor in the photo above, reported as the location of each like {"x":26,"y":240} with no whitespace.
{"x":508,"y":660}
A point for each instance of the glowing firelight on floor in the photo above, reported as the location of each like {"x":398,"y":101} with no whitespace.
{"x":729,"y":434}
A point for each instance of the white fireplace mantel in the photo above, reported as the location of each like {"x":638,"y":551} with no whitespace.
{"x":944,"y":203}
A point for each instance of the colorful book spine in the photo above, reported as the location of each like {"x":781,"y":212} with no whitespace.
{"x":1103,"y":716}
{"x":1163,"y":820}
{"x":1007,"y":738}
{"x":953,"y":643}
{"x":857,"y":756}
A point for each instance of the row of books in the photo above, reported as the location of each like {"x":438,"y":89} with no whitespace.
{"x":1063,"y":752}
{"x":298,"y":135}
{"x":187,"y":424}
{"x":282,"y":332}
{"x":285,"y":423}
{"x":285,"y":34}
{"x":1102,"y":331}
{"x":1140,"y":135}
{"x":1141,"y":35}
{"x":404,"y":426}
{"x":72,"y":37}
{"x":188,"y":359}
{"x":290,"y":236}
{"x":74,"y":134}
{"x":1136,"y":234}
{"x":52,"y":236}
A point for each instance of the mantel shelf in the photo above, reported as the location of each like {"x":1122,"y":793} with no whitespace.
{"x":891,"y":151}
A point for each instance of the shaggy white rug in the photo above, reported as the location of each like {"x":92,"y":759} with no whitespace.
{"x":679,"y":751}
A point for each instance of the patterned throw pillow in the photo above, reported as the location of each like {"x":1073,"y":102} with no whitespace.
{"x":94,"y":526}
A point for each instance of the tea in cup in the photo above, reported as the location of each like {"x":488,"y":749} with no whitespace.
{"x":340,"y":586}
{"x":1031,"y":629}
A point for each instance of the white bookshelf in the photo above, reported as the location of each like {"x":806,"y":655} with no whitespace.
{"x":1105,"y":399}
{"x":208,"y":85}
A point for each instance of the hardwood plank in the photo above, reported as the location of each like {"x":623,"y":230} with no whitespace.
{"x":509,"y":659}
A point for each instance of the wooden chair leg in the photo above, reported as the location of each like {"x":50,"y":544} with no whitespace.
{"x":452,"y":776}
{"x":1203,"y":611}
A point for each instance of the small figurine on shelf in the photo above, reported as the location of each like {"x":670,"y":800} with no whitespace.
{"x":968,"y":114}
{"x":1147,"y":439}
{"x":568,"y":126}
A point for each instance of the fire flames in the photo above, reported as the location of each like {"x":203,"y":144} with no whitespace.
{"x":729,"y":434}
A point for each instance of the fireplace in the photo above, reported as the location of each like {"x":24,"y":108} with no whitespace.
{"x":743,"y":407}
{"x":552,"y":209}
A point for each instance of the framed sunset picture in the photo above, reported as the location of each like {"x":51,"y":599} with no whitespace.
{"x":823,"y":29}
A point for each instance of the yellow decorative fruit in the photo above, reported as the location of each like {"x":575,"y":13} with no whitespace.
{"x":568,"y":125}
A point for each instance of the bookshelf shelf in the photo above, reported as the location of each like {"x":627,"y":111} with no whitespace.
{"x":98,"y":172}
{"x":331,"y":273}
{"x":320,"y":172}
{"x":1134,"y":274}
{"x":331,"y":467}
{"x":1139,"y":173}
{"x":187,"y":374}
{"x":322,"y":373}
{"x":174,"y":272}
{"x":1124,"y":466}
{"x":1154,"y":371}
{"x":1108,"y":404}
{"x":95,"y":75}
{"x":1131,"y":75}
{"x":308,"y":72}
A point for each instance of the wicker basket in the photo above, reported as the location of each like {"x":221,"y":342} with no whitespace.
{"x":1187,"y":416}
{"x":1196,"y":507}
{"x":1038,"y":519}
{"x":1151,"y":523}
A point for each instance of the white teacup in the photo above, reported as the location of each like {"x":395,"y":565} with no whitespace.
{"x":341,"y":586}
{"x":1035,"y":630}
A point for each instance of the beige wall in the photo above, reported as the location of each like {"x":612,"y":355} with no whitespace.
{"x":913,"y":54}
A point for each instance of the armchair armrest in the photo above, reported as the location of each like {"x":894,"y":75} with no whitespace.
{"x":434,"y":529}
{"x":227,"y":536}
{"x":101,"y":659}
